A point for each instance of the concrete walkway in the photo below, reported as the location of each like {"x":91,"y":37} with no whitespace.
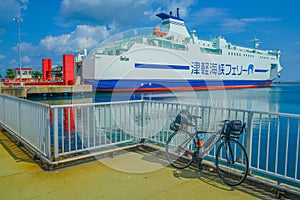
{"x":130,"y":175}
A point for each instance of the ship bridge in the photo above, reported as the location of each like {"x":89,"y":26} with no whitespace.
{"x":172,"y":26}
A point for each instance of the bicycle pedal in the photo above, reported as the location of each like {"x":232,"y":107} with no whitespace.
{"x":200,"y":167}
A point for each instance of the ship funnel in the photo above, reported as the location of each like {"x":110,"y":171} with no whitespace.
{"x":178,"y":13}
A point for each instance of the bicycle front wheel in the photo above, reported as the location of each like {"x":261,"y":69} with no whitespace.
{"x":180,"y":149}
{"x":232,"y":162}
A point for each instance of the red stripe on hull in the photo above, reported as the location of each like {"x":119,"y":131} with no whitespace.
{"x":184,"y":88}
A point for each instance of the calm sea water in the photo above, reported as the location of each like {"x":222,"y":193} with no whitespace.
{"x":284,"y":98}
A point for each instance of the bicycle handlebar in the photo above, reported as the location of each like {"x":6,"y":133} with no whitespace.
{"x":207,"y":132}
{"x":195,"y":117}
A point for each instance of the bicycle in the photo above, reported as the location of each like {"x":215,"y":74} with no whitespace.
{"x":183,"y":147}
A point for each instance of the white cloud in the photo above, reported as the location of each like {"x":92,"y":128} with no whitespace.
{"x":209,"y":15}
{"x":231,"y":25}
{"x":54,"y":46}
{"x":219,"y":19}
{"x":124,"y":13}
{"x":25,"y":59}
{"x":11,"y":9}
{"x":260,"y":19}
{"x":83,"y":36}
{"x":28,"y":48}
{"x":13,"y":62}
{"x":296,"y":43}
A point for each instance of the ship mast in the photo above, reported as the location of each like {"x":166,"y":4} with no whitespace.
{"x":256,"y":43}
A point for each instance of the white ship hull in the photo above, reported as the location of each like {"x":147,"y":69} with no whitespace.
{"x":157,"y":63}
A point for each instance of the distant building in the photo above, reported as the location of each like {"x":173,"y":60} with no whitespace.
{"x":26,"y":73}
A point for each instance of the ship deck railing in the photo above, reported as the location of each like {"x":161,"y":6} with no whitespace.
{"x":150,"y":40}
{"x":58,"y":134}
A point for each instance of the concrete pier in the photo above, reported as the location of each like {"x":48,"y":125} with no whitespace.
{"x":22,"y":178}
{"x":24,"y":91}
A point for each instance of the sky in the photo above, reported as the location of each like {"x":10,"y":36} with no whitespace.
{"x":51,"y":28}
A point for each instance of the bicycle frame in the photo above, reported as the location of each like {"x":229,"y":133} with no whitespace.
{"x":211,"y":144}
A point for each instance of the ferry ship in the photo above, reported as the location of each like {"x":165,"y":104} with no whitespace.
{"x":170,"y":58}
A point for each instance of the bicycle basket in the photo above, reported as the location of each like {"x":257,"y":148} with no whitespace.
{"x":184,"y":118}
{"x":234,"y":128}
{"x":174,"y":126}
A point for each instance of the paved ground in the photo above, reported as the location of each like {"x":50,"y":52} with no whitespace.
{"x":131,"y":175}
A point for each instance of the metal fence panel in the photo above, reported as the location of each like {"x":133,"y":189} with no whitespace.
{"x":88,"y":127}
{"x":271,"y":139}
{"x":27,"y":120}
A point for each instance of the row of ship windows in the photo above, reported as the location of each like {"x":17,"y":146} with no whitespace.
{"x":264,"y":57}
{"x":248,"y":55}
{"x":240,"y":54}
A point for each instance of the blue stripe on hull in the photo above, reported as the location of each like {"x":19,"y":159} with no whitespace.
{"x":171,"y":84}
{"x":261,"y":70}
{"x":156,"y":66}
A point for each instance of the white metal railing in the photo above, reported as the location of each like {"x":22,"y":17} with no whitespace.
{"x":87,"y":127}
{"x":271,"y":139}
{"x":27,"y":120}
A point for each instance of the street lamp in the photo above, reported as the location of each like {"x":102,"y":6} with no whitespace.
{"x":19,"y":20}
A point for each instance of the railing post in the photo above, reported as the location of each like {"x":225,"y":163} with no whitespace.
{"x":3,"y":110}
{"x":55,"y":132}
{"x":142,"y":120}
{"x":20,"y":119}
{"x":249,"y":138}
{"x":48,"y":133}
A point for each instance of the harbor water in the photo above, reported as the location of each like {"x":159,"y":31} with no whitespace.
{"x":282,"y":98}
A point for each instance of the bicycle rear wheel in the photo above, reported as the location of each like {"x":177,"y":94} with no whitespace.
{"x":180,"y":149}
{"x":232,"y":162}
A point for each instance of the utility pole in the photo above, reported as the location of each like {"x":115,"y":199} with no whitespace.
{"x":19,"y":46}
